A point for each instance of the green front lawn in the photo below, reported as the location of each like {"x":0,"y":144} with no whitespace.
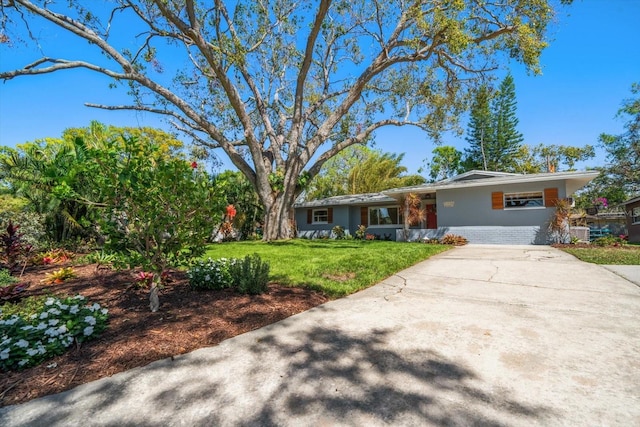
{"x":625,"y":255}
{"x":335,"y":267}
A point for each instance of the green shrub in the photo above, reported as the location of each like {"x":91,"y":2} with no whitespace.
{"x":211,"y":274}
{"x":609,"y":241}
{"x":250,"y":275}
{"x":6,"y":278}
{"x":26,"y":340}
{"x":23,"y":308}
{"x":338,"y":232}
{"x":31,"y":227}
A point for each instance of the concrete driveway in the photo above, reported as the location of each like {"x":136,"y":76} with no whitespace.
{"x":480,"y":335}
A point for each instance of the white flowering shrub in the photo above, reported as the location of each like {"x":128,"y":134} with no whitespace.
{"x":27,"y":341}
{"x":211,"y":273}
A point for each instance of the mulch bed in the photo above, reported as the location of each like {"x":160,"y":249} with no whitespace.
{"x":187,"y":320}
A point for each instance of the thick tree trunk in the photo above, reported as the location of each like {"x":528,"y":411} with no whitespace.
{"x":278,"y":219}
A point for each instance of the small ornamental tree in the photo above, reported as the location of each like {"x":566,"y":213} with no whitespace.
{"x":159,"y":208}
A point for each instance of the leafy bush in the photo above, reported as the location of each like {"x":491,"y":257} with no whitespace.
{"x":24,"y":308}
{"x":54,"y":256}
{"x":250,"y":275}
{"x":6,"y":278}
{"x":609,"y":241}
{"x":211,"y":274}
{"x":13,"y":247}
{"x":453,"y":239}
{"x":60,"y":275}
{"x":101,"y":258}
{"x":360,"y":232}
{"x":338,"y":232}
{"x":26,"y":340}
{"x":31,"y":227}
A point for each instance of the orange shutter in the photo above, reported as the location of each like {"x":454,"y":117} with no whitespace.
{"x":364,"y":216}
{"x":309,"y":216}
{"x":497,"y":200}
{"x":330,"y":215}
{"x":550,"y":197}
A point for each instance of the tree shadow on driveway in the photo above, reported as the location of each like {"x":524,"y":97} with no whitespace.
{"x":284,"y":375}
{"x":340,"y":378}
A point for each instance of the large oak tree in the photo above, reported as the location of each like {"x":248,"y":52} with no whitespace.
{"x":283,"y":85}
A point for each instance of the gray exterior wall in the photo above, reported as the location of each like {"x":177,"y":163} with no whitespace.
{"x":340,"y":217}
{"x":472,"y":206}
{"x":493,"y":235}
{"x":463,"y":211}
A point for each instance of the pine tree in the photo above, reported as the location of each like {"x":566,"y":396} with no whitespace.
{"x":505,"y":148}
{"x":480,"y":132}
{"x":494,"y":141}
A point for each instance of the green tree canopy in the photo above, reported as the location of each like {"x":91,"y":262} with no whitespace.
{"x":445,"y":163}
{"x":360,"y":170}
{"x":333,"y":179}
{"x":623,"y":151}
{"x":380,"y":171}
{"x":281,"y":87}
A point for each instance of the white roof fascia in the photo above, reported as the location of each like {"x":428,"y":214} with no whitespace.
{"x":576,"y":180}
{"x":632,"y":200}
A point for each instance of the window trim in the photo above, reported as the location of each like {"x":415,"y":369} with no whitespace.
{"x":518,"y":208}
{"x":635,"y":217}
{"x":397,"y":207}
{"x":314,"y":213}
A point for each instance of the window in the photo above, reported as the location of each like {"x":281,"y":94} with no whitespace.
{"x":384,"y":216}
{"x":532,"y":199}
{"x":320,"y":216}
{"x":635,"y":215}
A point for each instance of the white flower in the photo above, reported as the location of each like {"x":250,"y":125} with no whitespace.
{"x":63,"y":329}
{"x":49,"y":301}
{"x":54,"y":311}
{"x":95,"y":306}
{"x":4,"y":354}
{"x":90,"y":320}
{"x":27,"y":328}
{"x":22,"y":343}
{"x":74,"y":309}
{"x":23,"y":362}
{"x":63,"y":306}
{"x":207,"y":278}
{"x":104,"y":311}
{"x":52,"y":332}
{"x":41,"y":349}
{"x":88,"y":331}
{"x":53,"y":322}
{"x":41,"y":326}
{"x":32,"y":352}
{"x":11,"y":321}
{"x":44,"y":315}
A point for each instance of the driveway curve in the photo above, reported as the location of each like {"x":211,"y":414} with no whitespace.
{"x":478,"y":335}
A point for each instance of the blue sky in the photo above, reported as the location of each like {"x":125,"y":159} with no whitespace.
{"x":587,"y":72}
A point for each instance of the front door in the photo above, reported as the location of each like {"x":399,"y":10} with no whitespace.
{"x":432,"y":217}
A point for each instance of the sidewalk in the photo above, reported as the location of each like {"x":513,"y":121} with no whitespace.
{"x":479,"y":335}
